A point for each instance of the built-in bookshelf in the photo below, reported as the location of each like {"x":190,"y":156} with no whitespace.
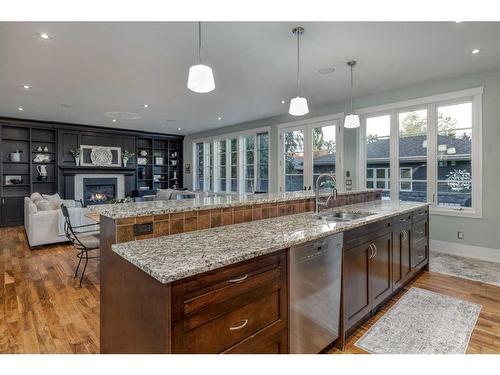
{"x":159,"y":163}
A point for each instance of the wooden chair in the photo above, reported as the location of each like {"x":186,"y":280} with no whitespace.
{"x":83,"y":241}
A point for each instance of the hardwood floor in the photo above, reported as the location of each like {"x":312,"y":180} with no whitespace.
{"x":43,"y":309}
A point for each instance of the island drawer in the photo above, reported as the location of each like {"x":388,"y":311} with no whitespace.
{"x":420,"y":214}
{"x":226,"y":286}
{"x":220,"y":334}
{"x":402,"y":220}
{"x":365,"y":233}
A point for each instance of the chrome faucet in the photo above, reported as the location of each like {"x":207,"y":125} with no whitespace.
{"x":331,"y":196}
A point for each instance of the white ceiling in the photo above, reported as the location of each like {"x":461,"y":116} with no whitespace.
{"x":114,"y":66}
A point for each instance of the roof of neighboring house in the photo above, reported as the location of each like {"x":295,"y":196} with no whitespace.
{"x":409,"y":147}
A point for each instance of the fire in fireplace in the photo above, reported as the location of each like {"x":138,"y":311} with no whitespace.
{"x":98,"y":190}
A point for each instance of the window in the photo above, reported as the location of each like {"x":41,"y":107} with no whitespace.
{"x":412,"y":127}
{"x":308,"y":149}
{"x":249,"y":163}
{"x":263,"y":162}
{"x":222,"y":166}
{"x":378,"y":178}
{"x":405,"y":179}
{"x":222,"y":163}
{"x":378,"y":134}
{"x":433,"y":145}
{"x":294,"y":160}
{"x":454,"y":155}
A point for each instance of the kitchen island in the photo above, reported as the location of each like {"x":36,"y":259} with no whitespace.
{"x":225,"y":289}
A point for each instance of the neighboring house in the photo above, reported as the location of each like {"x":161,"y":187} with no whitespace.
{"x":454,"y":168}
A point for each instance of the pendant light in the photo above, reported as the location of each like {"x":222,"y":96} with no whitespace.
{"x":298,"y":105}
{"x":351,"y":120}
{"x":201,"y":77}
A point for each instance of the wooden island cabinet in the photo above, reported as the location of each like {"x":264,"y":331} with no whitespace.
{"x":244,"y":307}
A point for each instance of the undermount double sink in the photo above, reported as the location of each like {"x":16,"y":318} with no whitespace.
{"x":344,"y":216}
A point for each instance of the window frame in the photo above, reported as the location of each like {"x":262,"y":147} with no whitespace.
{"x":431,"y":103}
{"x":214,"y":142}
{"x":308,"y":126}
{"x":410,"y":180}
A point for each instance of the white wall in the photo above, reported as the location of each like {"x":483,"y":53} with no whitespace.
{"x":483,"y":232}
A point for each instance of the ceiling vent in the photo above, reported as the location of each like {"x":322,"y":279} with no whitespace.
{"x":123,"y":115}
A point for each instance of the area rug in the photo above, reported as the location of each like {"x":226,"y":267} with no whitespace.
{"x":423,"y":322}
{"x":466,"y":268}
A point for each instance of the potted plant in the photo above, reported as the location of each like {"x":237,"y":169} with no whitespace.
{"x":76,"y":154}
{"x":125,"y":156}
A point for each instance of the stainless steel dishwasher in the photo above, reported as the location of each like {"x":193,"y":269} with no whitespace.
{"x":315,"y":281}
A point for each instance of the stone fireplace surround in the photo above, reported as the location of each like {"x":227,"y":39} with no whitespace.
{"x":79,"y":183}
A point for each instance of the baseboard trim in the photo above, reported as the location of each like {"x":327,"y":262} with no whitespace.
{"x":469,"y":251}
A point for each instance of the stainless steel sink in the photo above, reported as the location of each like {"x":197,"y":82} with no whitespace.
{"x":343,"y":216}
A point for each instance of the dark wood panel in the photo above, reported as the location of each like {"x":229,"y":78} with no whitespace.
{"x":381,"y":269}
{"x":401,"y":255}
{"x":356,"y":284}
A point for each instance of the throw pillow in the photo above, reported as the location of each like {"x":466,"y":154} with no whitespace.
{"x":35,"y":196}
{"x":53,"y":197}
{"x":163,"y":194}
{"x":43,"y":205}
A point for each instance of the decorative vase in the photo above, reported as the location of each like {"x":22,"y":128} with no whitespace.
{"x":77,"y":160}
{"x":125,"y":161}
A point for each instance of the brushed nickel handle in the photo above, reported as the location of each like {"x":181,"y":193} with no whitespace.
{"x":241,"y":324}
{"x":372,"y":252}
{"x":404,"y":235}
{"x":420,"y":232}
{"x":239,"y":279}
{"x":403,"y":219}
{"x":376,"y":250}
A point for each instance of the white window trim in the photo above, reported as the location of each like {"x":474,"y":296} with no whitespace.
{"x":430,"y":103}
{"x":337,"y":120}
{"x":214,"y":141}
{"x":410,"y":180}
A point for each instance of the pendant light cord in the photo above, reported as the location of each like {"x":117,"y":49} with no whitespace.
{"x":199,"y":42}
{"x":352,"y":66}
{"x":298,"y":63}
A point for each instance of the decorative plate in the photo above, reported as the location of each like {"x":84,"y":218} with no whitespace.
{"x":101,"y":157}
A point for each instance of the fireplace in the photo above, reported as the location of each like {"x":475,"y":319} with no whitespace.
{"x":99,"y":190}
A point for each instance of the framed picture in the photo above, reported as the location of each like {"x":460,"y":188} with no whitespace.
{"x":187,"y":168}
{"x":100,"y":156}
{"x":13,"y":180}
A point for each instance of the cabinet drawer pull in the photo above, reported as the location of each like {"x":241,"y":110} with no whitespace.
{"x":422,"y":213}
{"x":370,"y":247}
{"x":420,"y":232}
{"x":239,"y":325}
{"x":376,"y":250}
{"x":404,"y":235}
{"x":404,"y":219}
{"x":239,"y":279}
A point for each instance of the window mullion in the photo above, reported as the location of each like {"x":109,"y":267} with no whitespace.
{"x":394,"y":156}
{"x":432,"y":154}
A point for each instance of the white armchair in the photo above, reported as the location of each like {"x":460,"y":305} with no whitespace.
{"x":46,"y":226}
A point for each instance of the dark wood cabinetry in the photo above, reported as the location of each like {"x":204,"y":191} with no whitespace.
{"x":366,"y":270}
{"x":52,"y":141}
{"x":239,"y":307}
{"x":379,"y":259}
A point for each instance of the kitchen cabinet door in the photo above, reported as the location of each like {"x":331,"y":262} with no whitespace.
{"x":419,"y":243}
{"x":401,"y":255}
{"x":381,"y":269}
{"x":356,"y":281}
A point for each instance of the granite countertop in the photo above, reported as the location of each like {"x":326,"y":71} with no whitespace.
{"x":178,"y":256}
{"x":124,"y":210}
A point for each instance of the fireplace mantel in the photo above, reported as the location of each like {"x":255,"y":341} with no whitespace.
{"x":71,"y":170}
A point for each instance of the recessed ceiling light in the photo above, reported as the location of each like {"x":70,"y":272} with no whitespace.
{"x":146,"y":105}
{"x":326,"y":70}
{"x":44,"y":36}
{"x":66,"y":105}
{"x":20,"y":108}
{"x":283,"y":102}
{"x":114,"y":120}
{"x":26,"y":87}
{"x":219,"y":118}
{"x":458,"y":21}
{"x":179,"y":128}
{"x":475,"y":51}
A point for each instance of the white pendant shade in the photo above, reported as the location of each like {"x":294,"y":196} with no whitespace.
{"x":201,"y":79}
{"x":351,"y":121}
{"x":298,"y":106}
